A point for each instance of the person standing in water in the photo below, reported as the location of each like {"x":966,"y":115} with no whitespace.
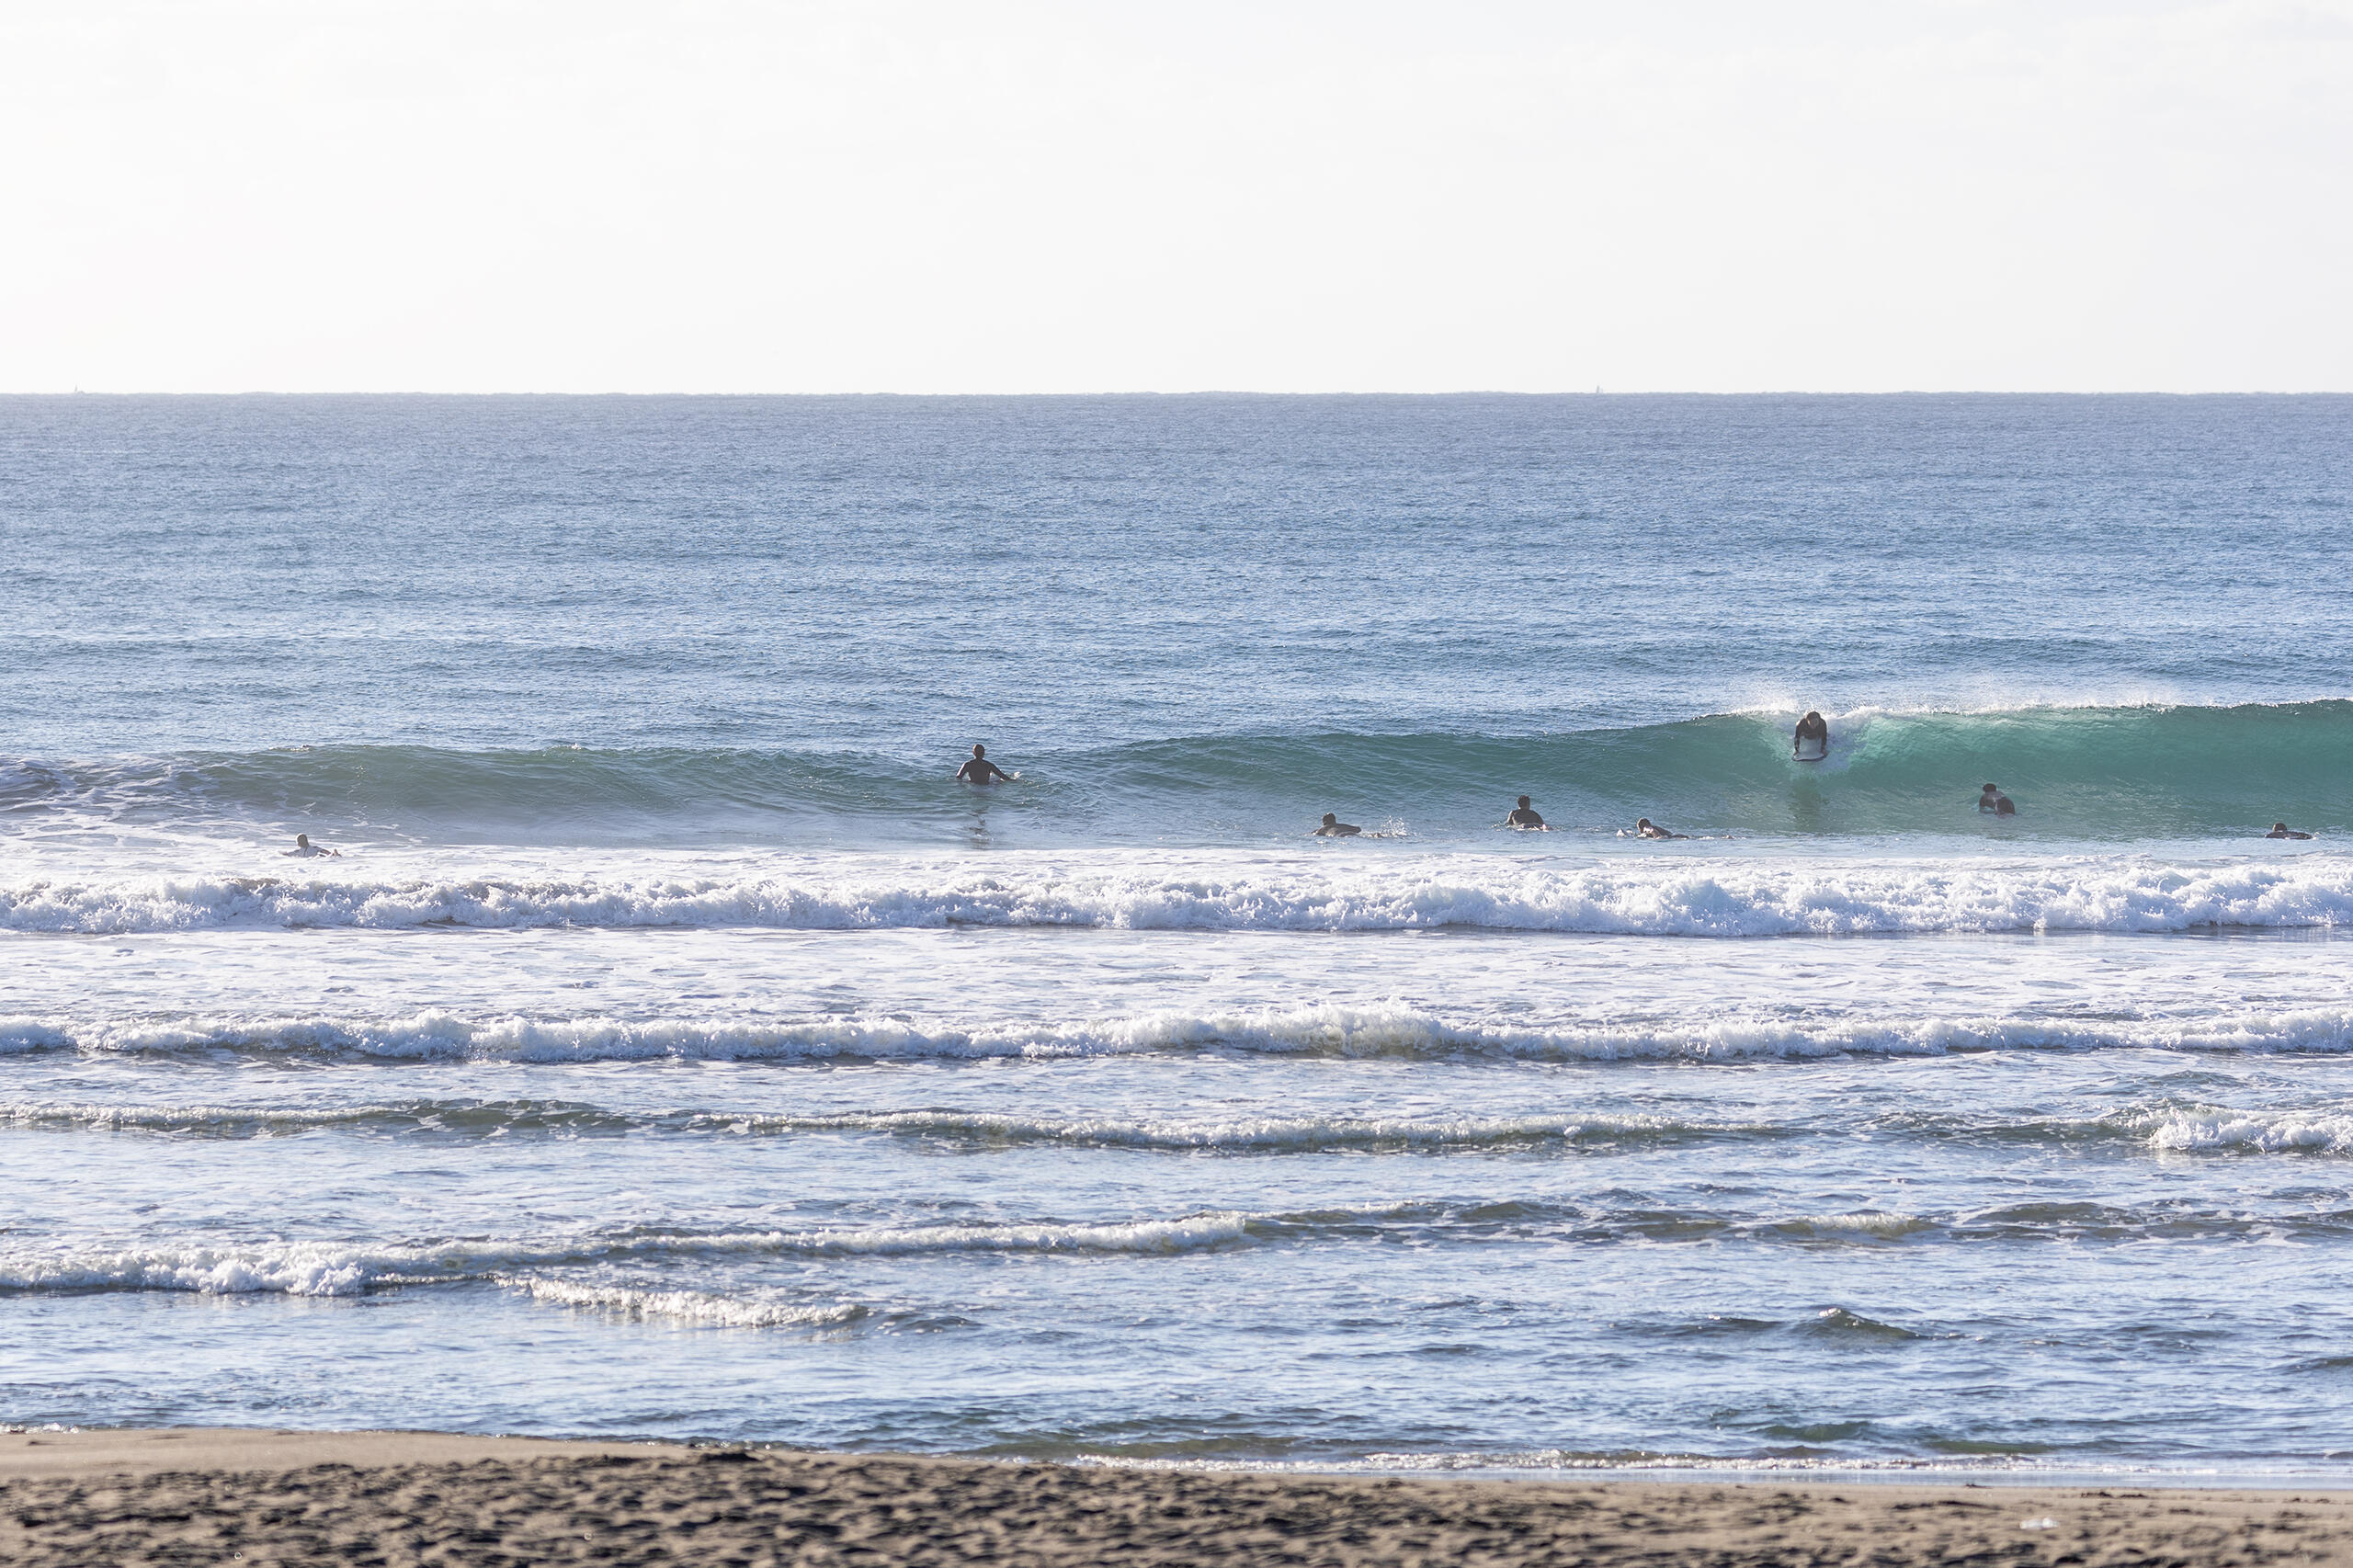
{"x":979,"y":769}
{"x":1334,"y":828}
{"x":1524,"y":816}
{"x":1994,"y":801}
{"x":1812,"y":727}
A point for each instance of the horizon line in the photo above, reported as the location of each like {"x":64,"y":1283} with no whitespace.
{"x":1193,"y":393}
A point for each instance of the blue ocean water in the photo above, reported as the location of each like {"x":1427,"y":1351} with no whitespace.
{"x":673,"y":1047}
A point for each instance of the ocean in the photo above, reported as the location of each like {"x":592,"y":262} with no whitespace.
{"x":673,"y":1047}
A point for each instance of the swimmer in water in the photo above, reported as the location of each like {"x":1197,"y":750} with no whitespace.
{"x":1994,"y":801}
{"x":1524,"y":815}
{"x":2281,"y":830}
{"x":1334,"y":828}
{"x":305,"y":850}
{"x":1645,"y":829}
{"x":979,"y":769}
{"x":1812,"y":727}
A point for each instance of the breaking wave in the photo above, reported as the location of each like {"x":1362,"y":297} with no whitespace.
{"x":339,"y":1268}
{"x":1249,"y":1135}
{"x":2265,"y":1132}
{"x":579,"y":1271}
{"x":1713,"y":899}
{"x":2166,"y":1127}
{"x":1386,"y":1029}
{"x":2097,"y":772}
{"x":752,"y":1310}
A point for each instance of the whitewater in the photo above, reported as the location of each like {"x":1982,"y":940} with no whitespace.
{"x":1716,"y":896}
{"x":671,"y":1047}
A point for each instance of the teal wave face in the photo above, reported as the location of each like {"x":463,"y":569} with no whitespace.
{"x":429,"y":794}
{"x":2156,"y":772}
{"x":2095,"y":774}
{"x":2090,"y":773}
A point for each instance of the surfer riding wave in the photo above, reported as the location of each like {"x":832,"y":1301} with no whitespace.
{"x":1810,"y":742}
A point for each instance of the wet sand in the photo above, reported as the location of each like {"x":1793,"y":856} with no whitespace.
{"x":205,"y":1496}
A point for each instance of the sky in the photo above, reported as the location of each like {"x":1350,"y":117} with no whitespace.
{"x":973,"y":196}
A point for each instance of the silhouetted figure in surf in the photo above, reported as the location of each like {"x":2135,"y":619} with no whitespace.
{"x":1334,"y":828}
{"x":979,"y":769}
{"x":1524,"y":815}
{"x":1994,"y":801}
{"x":1812,"y":727}
{"x":1645,"y":829}
{"x":305,"y":850}
{"x":2281,"y":830}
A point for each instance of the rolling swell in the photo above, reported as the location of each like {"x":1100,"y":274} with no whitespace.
{"x":2130,"y":772}
{"x":2153,"y":771}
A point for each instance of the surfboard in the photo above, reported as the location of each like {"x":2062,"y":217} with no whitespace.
{"x":1811,"y":750}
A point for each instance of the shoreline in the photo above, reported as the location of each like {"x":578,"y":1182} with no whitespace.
{"x":198,"y":1495}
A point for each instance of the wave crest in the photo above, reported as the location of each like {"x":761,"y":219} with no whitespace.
{"x":2156,"y":771}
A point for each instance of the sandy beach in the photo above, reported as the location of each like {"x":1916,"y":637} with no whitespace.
{"x":204,"y":1496}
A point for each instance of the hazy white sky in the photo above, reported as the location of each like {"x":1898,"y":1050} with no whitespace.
{"x":903,"y":195}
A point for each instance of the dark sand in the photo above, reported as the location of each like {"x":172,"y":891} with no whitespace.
{"x":387,"y":1497}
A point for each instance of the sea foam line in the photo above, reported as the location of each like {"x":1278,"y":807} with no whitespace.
{"x":338,"y":1269}
{"x":1250,"y":1134}
{"x":1730,"y":898}
{"x":751,"y":1309}
{"x":2168,"y":1127}
{"x":1391,"y":1029}
{"x":324,"y":1268}
{"x":2273,"y":1132}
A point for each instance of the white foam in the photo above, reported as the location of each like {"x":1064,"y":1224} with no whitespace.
{"x":751,"y":1311}
{"x":2195,"y":1133}
{"x":1886,"y":1227}
{"x":1369,"y":1030}
{"x":1715,"y":897}
{"x":294,"y":1268}
{"x":272,"y":1120}
{"x":1257,"y":1133}
{"x":333,"y":1268}
{"x":1140,"y":1236}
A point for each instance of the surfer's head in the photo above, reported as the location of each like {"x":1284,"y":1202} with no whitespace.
{"x":2278,"y":827}
{"x":1641,"y":822}
{"x":979,"y":750}
{"x":301,"y":841}
{"x":1523,"y":803}
{"x":1331,"y":818}
{"x":1813,"y":716}
{"x":1993,"y":788}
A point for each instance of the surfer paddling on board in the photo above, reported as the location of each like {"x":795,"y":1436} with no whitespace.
{"x":979,"y":769}
{"x":1810,"y":742}
{"x":1334,"y":828}
{"x":1645,"y":829}
{"x":305,"y":850}
{"x":1994,"y":801}
{"x":1524,"y":816}
{"x":2281,"y":830}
